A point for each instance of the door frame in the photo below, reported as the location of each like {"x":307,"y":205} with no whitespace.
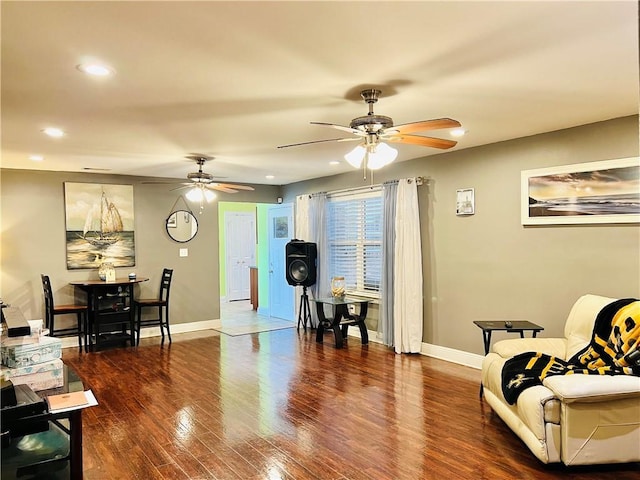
{"x":224,"y":255}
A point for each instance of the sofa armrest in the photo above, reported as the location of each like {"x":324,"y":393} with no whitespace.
{"x":593,"y":388}
{"x":556,"y":347}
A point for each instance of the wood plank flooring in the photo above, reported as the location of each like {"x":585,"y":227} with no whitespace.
{"x":277,"y":405}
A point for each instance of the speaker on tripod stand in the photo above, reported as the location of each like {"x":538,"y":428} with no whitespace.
{"x":301,"y":270}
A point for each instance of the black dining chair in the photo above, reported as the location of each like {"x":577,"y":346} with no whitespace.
{"x":161,"y":303}
{"x":52,"y":310}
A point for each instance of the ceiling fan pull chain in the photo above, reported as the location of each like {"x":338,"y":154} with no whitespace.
{"x":365,"y":161}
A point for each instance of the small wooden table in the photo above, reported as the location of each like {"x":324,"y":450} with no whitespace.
{"x":109,"y":305}
{"x":342,"y":319}
{"x":517,"y":326}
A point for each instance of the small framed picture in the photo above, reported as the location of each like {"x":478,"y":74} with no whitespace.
{"x":465,"y":203}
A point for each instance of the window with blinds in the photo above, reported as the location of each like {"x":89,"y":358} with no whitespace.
{"x":354,"y":233}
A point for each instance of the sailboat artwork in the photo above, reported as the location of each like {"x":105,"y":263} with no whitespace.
{"x":99,"y":225}
{"x":103,"y":228}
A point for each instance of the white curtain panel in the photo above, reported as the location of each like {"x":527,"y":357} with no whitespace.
{"x":311,"y":227}
{"x":302,"y":229}
{"x":408,"y":291}
{"x":318,"y":235}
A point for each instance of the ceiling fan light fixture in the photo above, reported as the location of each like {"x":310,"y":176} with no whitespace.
{"x":355,"y":156}
{"x":200,"y":194}
{"x":381,"y":155}
{"x":209,"y":196}
{"x":195,"y":195}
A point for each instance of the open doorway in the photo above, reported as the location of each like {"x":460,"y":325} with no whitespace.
{"x":248,"y":277}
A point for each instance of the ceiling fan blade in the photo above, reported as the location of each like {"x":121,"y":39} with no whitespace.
{"x":221,"y":188}
{"x":231,"y":185}
{"x":164,"y":183}
{"x":184,"y":185}
{"x":422,"y":126}
{"x":423,"y":141}
{"x":318,"y":141}
{"x":355,"y":131}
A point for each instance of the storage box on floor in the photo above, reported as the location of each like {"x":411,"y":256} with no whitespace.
{"x":32,"y":360}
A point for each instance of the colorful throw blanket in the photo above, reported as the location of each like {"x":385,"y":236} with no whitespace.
{"x":614,"y":349}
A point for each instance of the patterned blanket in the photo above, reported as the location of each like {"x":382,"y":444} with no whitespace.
{"x":614,"y":349}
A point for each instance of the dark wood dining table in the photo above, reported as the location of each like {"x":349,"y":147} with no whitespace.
{"x":111,"y":318}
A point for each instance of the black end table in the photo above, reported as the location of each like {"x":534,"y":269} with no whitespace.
{"x":517,"y":326}
{"x":17,"y":459}
{"x":342,"y":319}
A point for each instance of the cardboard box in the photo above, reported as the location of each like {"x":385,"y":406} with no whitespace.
{"x":45,"y":350}
{"x":41,"y":376}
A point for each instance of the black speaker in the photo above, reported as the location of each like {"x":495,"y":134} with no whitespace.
{"x":301,"y":263}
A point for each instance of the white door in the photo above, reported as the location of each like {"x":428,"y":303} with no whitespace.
{"x":240,"y":241}
{"x":281,"y":294}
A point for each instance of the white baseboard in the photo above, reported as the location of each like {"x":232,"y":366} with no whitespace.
{"x":72,"y":342}
{"x":443,"y":353}
{"x":460,"y":357}
{"x":182,"y":328}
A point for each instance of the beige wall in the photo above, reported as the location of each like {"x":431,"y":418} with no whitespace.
{"x":479,"y":267}
{"x":33,"y":242}
{"x":488,"y":266}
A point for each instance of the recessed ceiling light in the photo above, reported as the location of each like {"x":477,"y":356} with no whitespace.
{"x":457,"y":132}
{"x":95,"y":69}
{"x":269,"y":177}
{"x":53,"y":132}
{"x":36,"y":158}
{"x":334,"y":162}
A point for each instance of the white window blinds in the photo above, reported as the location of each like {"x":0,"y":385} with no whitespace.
{"x":354,"y":232}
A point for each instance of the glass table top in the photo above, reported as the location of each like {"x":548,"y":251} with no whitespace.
{"x":346,"y":300}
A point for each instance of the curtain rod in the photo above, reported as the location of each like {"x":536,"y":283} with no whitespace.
{"x":419,"y":181}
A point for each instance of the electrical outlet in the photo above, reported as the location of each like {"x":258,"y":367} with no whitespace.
{"x":184,"y":252}
{"x":352,"y":309}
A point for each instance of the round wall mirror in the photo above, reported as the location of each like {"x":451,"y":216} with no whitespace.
{"x":182,"y":226}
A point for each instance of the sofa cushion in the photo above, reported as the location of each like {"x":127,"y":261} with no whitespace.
{"x":579,"y":326}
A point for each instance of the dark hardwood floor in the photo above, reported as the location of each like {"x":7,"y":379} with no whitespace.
{"x":277,"y":405}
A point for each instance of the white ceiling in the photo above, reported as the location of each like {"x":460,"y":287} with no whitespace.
{"x":237,"y":79}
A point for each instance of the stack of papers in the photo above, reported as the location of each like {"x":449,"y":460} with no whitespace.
{"x":65,"y":402}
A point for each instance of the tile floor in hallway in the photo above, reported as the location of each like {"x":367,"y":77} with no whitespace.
{"x":238,"y":317}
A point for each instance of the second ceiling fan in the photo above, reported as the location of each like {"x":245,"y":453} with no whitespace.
{"x":373,"y":130}
{"x":204,"y":180}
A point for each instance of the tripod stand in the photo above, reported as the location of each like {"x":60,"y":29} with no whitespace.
{"x":304,"y":313}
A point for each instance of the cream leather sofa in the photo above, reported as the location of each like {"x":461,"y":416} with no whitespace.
{"x":576,"y":419}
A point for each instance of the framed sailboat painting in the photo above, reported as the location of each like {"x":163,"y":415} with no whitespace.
{"x":99,"y":225}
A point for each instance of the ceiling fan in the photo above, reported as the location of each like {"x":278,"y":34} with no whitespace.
{"x":205,"y":180}
{"x":373,"y":130}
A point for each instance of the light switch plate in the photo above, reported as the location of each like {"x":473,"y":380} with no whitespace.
{"x":184,"y":252}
